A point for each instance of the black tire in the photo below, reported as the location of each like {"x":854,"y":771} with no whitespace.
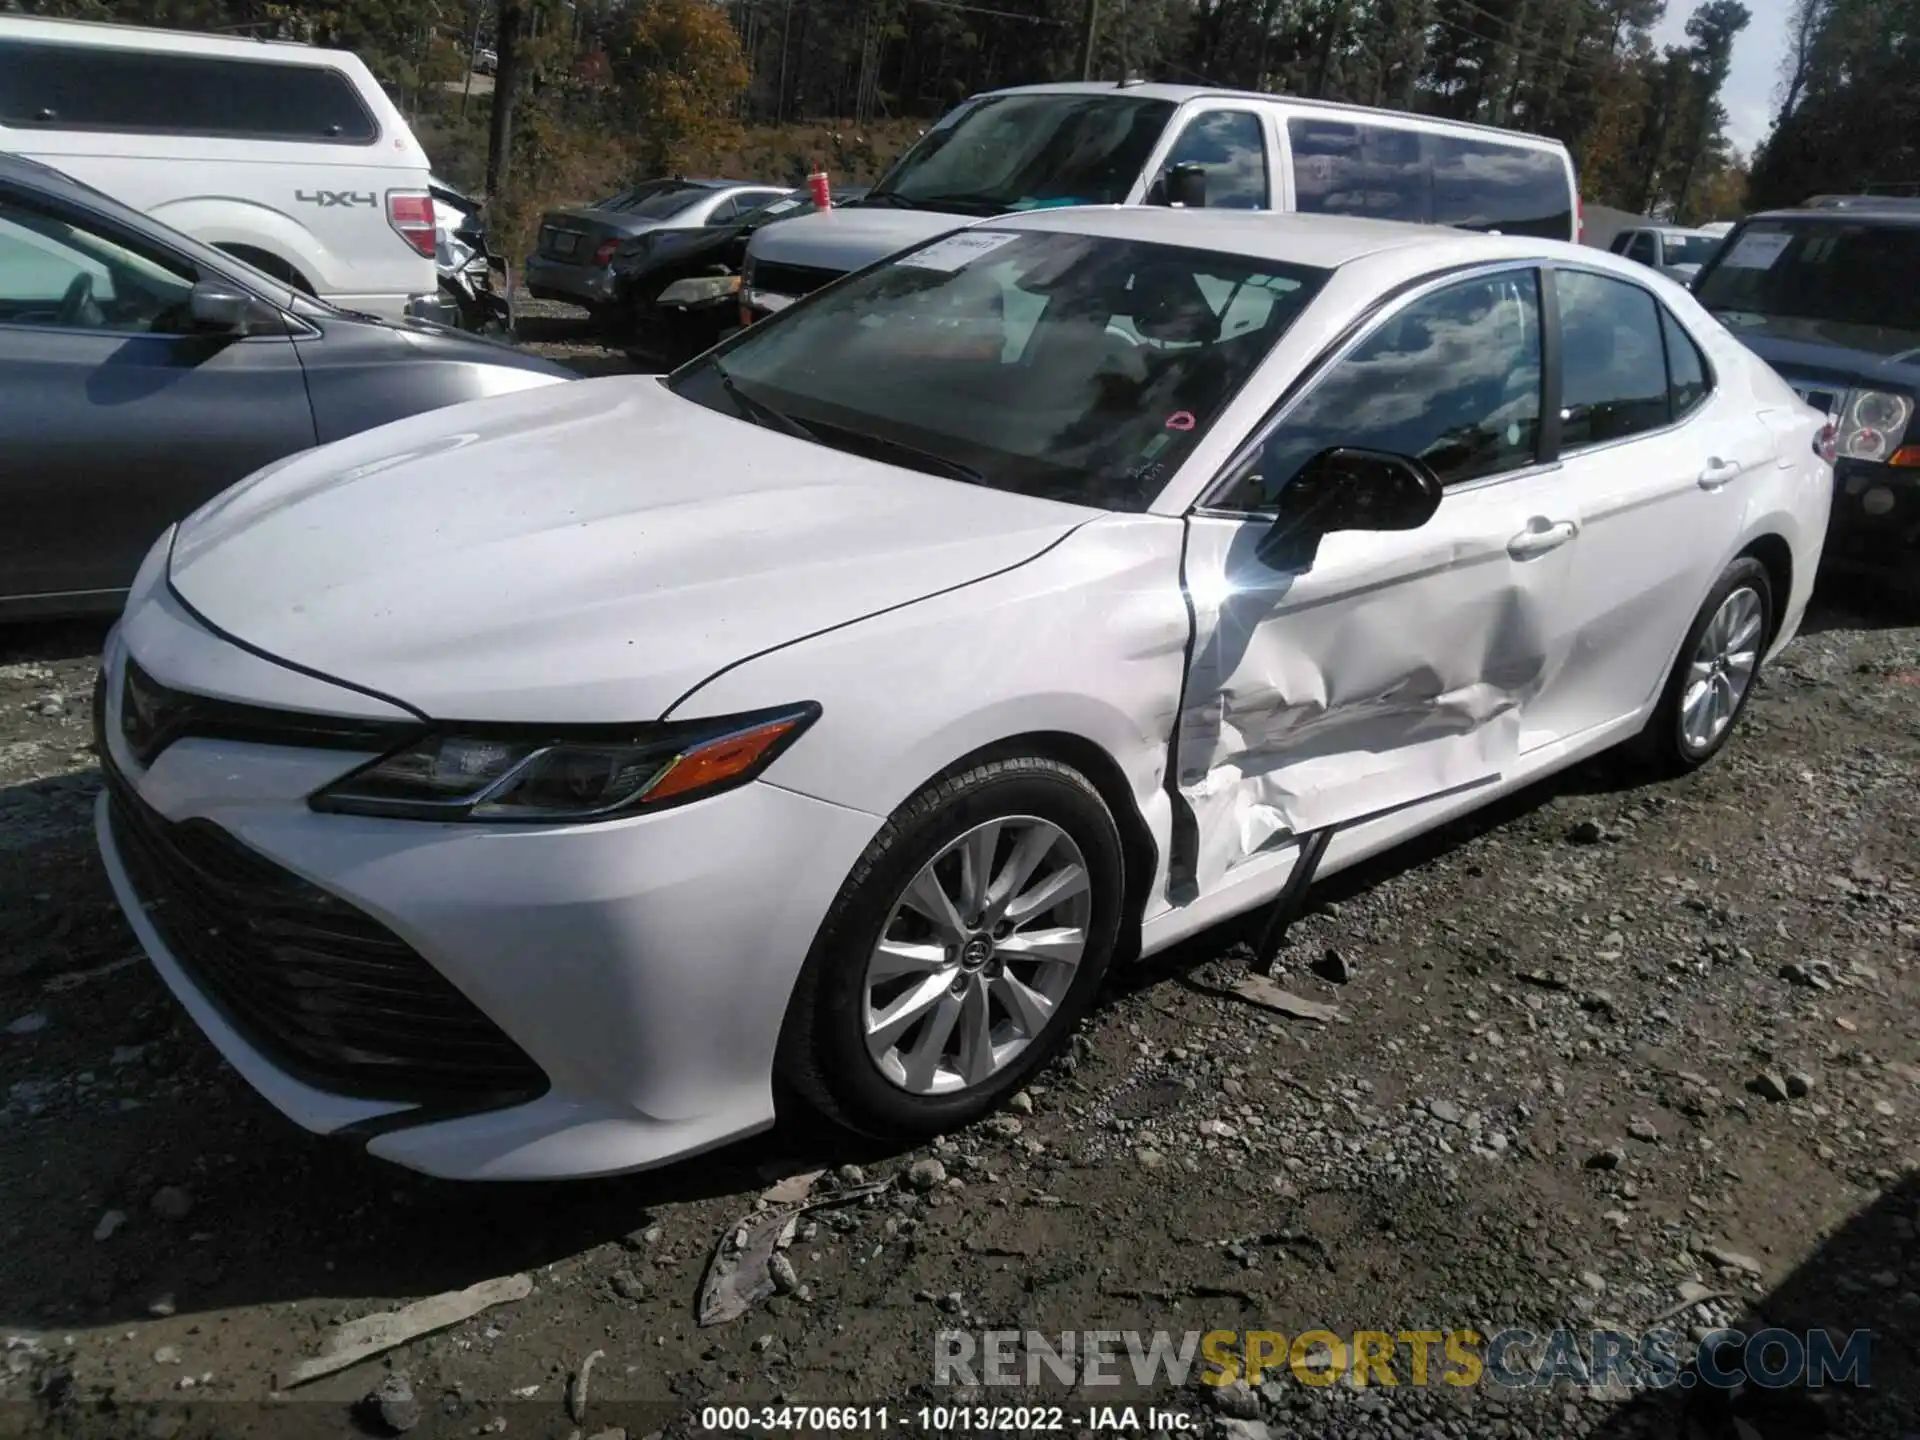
{"x":1662,"y":746}
{"x":823,"y":1054}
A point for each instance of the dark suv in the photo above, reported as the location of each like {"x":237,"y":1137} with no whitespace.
{"x":1829,"y":295}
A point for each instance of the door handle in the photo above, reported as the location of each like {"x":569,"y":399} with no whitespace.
{"x":1719,"y":472}
{"x":1540,"y":537}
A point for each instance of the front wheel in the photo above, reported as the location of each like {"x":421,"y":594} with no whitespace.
{"x":961,"y":952}
{"x":1713,"y":678}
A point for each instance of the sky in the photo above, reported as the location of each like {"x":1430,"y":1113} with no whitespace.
{"x":1757,"y":52}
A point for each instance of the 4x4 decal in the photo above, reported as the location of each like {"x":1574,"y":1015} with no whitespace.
{"x":326,"y":199}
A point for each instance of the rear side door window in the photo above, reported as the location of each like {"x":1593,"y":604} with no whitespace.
{"x":1341,"y":167}
{"x":1453,"y":379}
{"x":1613,"y":366}
{"x":94,"y":87}
{"x":1232,"y":146}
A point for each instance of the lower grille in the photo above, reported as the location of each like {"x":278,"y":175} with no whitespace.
{"x":794,"y":280}
{"x":319,"y":986}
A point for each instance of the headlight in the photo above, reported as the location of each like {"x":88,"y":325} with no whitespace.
{"x":484,"y":773}
{"x":699,"y":289}
{"x":1872,"y":424}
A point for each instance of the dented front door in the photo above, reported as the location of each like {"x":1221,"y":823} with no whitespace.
{"x":1373,"y":670}
{"x":1397,"y":668}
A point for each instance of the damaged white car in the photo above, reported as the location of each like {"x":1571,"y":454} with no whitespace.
{"x":528,"y":788}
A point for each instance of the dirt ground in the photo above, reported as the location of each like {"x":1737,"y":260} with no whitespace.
{"x":1547,"y":1097}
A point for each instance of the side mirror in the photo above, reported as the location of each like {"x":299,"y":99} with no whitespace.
{"x":1187,"y":186}
{"x":217,"y":309}
{"x":1346,"y":489}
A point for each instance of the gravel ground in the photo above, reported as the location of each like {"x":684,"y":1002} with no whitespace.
{"x":562,"y":333}
{"x":1601,"y":1052}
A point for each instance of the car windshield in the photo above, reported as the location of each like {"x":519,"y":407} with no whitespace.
{"x":1854,"y":273}
{"x":1691,"y":249}
{"x":1073,"y":367}
{"x":1027,"y":152}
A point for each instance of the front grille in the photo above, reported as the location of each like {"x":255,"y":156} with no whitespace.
{"x":319,"y":986}
{"x":153,"y":716}
{"x":794,"y":280}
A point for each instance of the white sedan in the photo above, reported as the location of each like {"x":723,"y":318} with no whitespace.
{"x":532,"y":787}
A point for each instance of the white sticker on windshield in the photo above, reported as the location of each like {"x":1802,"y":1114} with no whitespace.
{"x":1758,"y":251}
{"x":957,"y":251}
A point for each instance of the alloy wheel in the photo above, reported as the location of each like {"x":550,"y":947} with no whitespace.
{"x":1722,"y":668}
{"x":977,"y":954}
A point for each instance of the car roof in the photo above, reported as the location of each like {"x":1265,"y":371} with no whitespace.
{"x":1321,"y":241}
{"x":1180,"y":94}
{"x":1861,"y":207}
{"x":155,"y":37}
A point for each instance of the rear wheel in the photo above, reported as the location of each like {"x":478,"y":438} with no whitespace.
{"x":961,"y":952}
{"x":1714,"y":676}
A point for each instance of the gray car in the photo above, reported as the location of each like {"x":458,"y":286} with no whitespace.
{"x":573,"y":257}
{"x":1677,"y":254}
{"x":141,"y":373}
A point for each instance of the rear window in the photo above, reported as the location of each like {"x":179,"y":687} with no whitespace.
{"x":87,"y":87}
{"x":653,"y":203}
{"x":1344,"y":167}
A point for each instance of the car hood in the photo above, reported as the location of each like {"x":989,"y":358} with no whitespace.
{"x":848,"y":239}
{"x":585,"y":553}
{"x":1830,"y":351}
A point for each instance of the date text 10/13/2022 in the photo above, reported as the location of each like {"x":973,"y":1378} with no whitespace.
{"x":945,"y":1419}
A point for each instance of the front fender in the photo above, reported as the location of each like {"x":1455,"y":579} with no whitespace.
{"x":1088,"y":640}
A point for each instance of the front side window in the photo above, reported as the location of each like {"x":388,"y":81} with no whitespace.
{"x":1232,"y":146}
{"x":91,"y":87}
{"x":1075,"y":367}
{"x":1640,"y":248}
{"x":53,"y":273}
{"x":1453,"y":379}
{"x":1613,"y":367}
{"x":1028,"y":152}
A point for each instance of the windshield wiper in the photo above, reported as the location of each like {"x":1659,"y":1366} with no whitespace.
{"x":875,"y":446}
{"x":885,"y":197}
{"x":759,"y":411}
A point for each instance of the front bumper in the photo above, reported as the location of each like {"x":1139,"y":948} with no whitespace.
{"x":1874,"y":529}
{"x":569,"y":282}
{"x":643,"y":965}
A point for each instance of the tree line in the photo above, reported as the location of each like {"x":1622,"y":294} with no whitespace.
{"x":1644,"y":123}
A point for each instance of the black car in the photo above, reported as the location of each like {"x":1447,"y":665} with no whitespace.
{"x":141,"y":373}
{"x":678,"y":290}
{"x":1829,"y":295}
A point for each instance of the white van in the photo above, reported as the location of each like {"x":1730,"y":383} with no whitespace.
{"x":1039,"y":146}
{"x":285,"y":156}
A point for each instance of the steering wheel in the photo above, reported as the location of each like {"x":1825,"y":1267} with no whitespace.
{"x":76,"y":306}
